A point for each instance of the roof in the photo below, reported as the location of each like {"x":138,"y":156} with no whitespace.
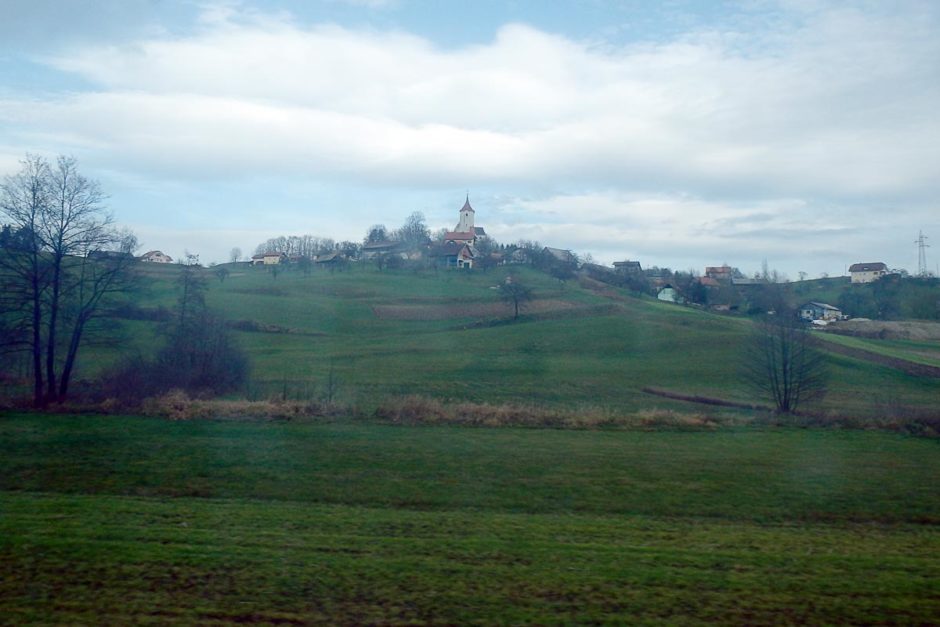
{"x":726,"y":269}
{"x":459,"y":236}
{"x":466,"y":205}
{"x":559,"y":253}
{"x":822,"y":306}
{"x":478,"y":230}
{"x":450,"y":249}
{"x":874,"y":266}
{"x":379,"y":245}
{"x":627,"y":265}
{"x":709,"y":281}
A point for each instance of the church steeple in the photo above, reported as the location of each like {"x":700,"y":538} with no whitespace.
{"x":465,"y":225}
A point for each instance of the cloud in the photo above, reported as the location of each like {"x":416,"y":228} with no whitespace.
{"x":817,"y":114}
{"x":820,"y":116}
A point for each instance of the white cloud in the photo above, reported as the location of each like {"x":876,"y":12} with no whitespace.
{"x":833,"y":108}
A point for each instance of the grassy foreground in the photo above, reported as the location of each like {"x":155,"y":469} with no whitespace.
{"x":131,"y":520}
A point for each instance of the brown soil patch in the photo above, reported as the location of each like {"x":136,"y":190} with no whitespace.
{"x":465,"y":310}
{"x":909,"y":367}
{"x":887,"y":330}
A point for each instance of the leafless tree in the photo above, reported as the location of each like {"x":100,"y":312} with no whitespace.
{"x":235,"y":255}
{"x":516,"y":295}
{"x":68,"y":258}
{"x":781,"y":362}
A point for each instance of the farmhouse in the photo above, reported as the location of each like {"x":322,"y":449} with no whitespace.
{"x":452,"y":255}
{"x":719,"y":273}
{"x":268,"y":259}
{"x":867,"y":272}
{"x":155,"y":256}
{"x":560,"y":255}
{"x":819,"y":311}
{"x":628,"y":267}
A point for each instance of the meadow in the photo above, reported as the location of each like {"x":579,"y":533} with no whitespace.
{"x":641,"y":510}
{"x":141,"y":520}
{"x":446,"y":335}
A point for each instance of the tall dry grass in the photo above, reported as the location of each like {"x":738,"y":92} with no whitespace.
{"x":421,"y":410}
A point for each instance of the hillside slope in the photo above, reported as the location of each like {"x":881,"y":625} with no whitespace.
{"x":448,"y":335}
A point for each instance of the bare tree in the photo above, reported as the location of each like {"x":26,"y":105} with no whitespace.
{"x":69,"y":257}
{"x":235,"y":255}
{"x":781,"y":362}
{"x":515,"y":294}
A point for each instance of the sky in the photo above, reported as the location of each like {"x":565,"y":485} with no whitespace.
{"x":681,"y":134}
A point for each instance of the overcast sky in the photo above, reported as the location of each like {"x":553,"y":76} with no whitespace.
{"x":683,"y":135}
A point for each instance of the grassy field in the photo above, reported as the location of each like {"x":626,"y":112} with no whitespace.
{"x":447,"y":335}
{"x":133,"y":520}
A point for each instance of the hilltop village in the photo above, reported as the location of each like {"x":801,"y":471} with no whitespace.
{"x":466,"y":247}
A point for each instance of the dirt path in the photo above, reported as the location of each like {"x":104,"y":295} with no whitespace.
{"x":908,"y":367}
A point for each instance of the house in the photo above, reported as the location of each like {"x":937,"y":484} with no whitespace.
{"x":867,"y":272}
{"x":452,"y":255}
{"x":819,"y":311}
{"x":155,"y":256}
{"x":722,"y":273}
{"x":334,"y":258}
{"x":518,"y":255}
{"x":374,"y":249}
{"x":668,"y":294}
{"x":268,"y":259}
{"x":628,"y":267}
{"x":560,"y":255}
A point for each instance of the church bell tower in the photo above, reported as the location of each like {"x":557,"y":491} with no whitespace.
{"x":466,"y":218}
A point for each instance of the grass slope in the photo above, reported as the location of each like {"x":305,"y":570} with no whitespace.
{"x":596,"y":349}
{"x":129,"y":520}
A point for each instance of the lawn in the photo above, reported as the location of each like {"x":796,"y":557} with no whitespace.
{"x":135,"y":520}
{"x":593,"y":349}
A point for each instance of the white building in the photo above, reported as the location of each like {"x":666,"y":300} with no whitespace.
{"x":155,"y":256}
{"x":867,"y":272}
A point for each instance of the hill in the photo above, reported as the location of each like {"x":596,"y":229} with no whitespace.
{"x":447,"y":335}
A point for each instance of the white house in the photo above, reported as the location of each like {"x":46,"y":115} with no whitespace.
{"x":668,"y":294}
{"x":268,"y":259}
{"x":819,"y":311}
{"x":867,"y":272}
{"x":155,"y":256}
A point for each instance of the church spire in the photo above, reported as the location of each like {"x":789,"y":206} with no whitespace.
{"x":466,"y":205}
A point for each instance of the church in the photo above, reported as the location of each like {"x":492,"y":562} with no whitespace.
{"x":457,"y":250}
{"x":465,"y":232}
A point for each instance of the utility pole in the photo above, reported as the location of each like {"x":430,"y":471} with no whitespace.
{"x":922,"y":245}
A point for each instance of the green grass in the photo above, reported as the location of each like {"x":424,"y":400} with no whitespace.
{"x":132,"y":520}
{"x":920,"y":352}
{"x":602,"y":351}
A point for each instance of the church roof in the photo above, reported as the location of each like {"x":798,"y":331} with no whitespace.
{"x":459,"y":236}
{"x":466,"y":205}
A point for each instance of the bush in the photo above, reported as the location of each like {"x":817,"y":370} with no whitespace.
{"x":200,"y":358}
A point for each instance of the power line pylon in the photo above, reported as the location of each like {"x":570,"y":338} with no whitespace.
{"x":922,"y":245}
